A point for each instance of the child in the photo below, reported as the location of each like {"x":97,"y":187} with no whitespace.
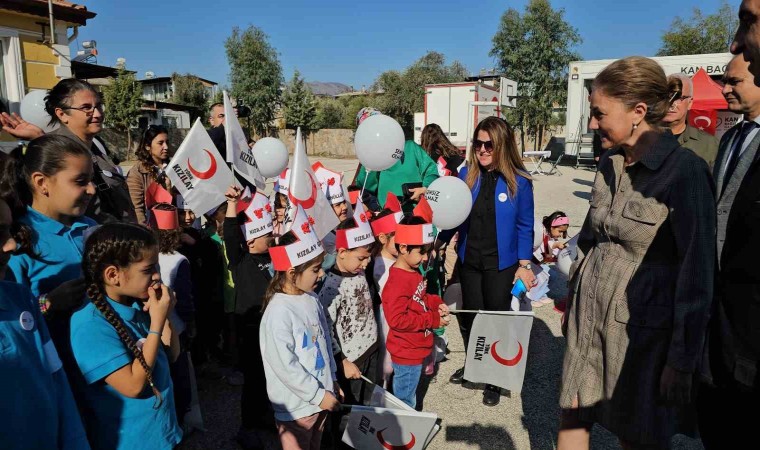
{"x":118,"y":341}
{"x":247,"y":238}
{"x":411,"y":312}
{"x":280,"y":204}
{"x":298,"y":362}
{"x":383,"y":257}
{"x":347,"y":300}
{"x":555,"y":228}
{"x":38,"y":408}
{"x":332,"y":187}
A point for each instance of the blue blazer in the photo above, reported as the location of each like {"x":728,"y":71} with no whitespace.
{"x":514,"y":219}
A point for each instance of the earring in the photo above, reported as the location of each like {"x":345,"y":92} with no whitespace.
{"x":635,"y":125}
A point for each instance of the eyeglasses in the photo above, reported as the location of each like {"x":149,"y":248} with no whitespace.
{"x":486,"y":145}
{"x":87,"y":109}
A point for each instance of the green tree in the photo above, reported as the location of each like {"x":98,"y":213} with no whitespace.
{"x":123,"y":101}
{"x":299,"y":105}
{"x":404,"y":92}
{"x":535,"y":49}
{"x":255,"y":74}
{"x":701,"y":34}
{"x":189,"y":90}
{"x":330,"y":113}
{"x":352,"y":105}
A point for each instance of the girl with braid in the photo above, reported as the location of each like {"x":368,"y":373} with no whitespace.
{"x":123,"y":342}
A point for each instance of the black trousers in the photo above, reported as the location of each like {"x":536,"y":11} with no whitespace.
{"x":256,"y":411}
{"x":727,"y":417}
{"x":485,"y":289}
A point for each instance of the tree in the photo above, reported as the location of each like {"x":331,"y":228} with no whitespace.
{"x":404,"y":92}
{"x":701,"y":34}
{"x":330,"y":113}
{"x":255,"y":74}
{"x":189,"y":90}
{"x":299,"y":106}
{"x":535,"y":49}
{"x":123,"y":101}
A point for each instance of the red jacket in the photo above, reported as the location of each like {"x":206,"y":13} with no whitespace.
{"x":411,"y":314}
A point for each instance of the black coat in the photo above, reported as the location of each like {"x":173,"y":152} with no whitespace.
{"x":250,"y":272}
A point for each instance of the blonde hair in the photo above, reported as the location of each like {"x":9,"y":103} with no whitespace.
{"x":635,"y":80}
{"x":506,"y":158}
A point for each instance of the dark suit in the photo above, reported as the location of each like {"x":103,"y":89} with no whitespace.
{"x":733,"y":345}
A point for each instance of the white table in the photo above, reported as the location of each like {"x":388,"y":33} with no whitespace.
{"x":537,"y":163}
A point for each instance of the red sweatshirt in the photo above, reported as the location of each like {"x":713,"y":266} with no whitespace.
{"x":411,"y":314}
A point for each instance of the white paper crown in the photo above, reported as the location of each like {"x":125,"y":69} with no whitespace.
{"x":258,"y":216}
{"x":360,"y":235}
{"x":283,"y":181}
{"x":307,"y":247}
{"x":330,"y":182}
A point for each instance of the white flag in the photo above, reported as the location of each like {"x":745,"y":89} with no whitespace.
{"x":199,"y":172}
{"x":304,"y":190}
{"x":238,"y":151}
{"x":498,"y":349}
{"x":383,"y":428}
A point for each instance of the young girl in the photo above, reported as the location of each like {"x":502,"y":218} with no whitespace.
{"x":295,"y":344}
{"x":37,"y":407}
{"x":121,"y":339}
{"x":555,"y":228}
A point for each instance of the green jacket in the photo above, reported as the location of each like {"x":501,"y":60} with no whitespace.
{"x":414,"y":167}
{"x":703,"y":144}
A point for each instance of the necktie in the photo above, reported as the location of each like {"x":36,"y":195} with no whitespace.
{"x":736,"y":150}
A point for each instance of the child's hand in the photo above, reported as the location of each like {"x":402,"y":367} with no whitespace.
{"x":559,"y":245}
{"x":329,"y":402}
{"x":233,"y":194}
{"x":160,"y":302}
{"x":351,"y":371}
{"x":443,"y":309}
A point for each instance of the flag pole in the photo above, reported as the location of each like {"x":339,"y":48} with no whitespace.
{"x":502,"y":313}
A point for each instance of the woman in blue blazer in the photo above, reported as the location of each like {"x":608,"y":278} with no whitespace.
{"x":496,"y":242}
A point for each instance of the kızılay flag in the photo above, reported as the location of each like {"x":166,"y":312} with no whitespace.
{"x":238,"y":151}
{"x":199,"y":172}
{"x":386,"y":428}
{"x":498,"y":348}
{"x":304,"y":190}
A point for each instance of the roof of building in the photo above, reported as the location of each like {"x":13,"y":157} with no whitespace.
{"x":62,"y":10}
{"x":169,"y":79}
{"x":83,"y":70}
{"x":152,"y":105}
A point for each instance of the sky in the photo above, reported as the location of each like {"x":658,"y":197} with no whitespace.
{"x":353,"y":42}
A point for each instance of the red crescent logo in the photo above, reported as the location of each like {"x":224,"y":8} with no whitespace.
{"x":395,"y":447}
{"x":208,"y":173}
{"x":704,"y":119}
{"x":309,"y":202}
{"x":507,"y":362}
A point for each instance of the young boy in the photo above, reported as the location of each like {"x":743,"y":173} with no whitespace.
{"x":331,"y":184}
{"x":247,"y":238}
{"x":411,"y":312}
{"x":347,"y":300}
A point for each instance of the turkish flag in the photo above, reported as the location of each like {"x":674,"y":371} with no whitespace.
{"x":704,"y":119}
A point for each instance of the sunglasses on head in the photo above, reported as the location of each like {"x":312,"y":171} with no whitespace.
{"x":487,"y":145}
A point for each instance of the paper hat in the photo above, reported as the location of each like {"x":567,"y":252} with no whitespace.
{"x":415,"y":234}
{"x":283,"y":182}
{"x":162,"y":215}
{"x":358,"y":236}
{"x":387,"y":224}
{"x":331,"y":183}
{"x":353,"y":194}
{"x":307,"y":247}
{"x":258,"y":217}
{"x":423,"y":210}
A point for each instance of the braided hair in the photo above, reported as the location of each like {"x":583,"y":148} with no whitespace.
{"x":119,"y":244}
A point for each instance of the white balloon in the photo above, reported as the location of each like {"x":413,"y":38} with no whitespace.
{"x":379,"y":142}
{"x":33,"y":110}
{"x":451,"y":201}
{"x":271,"y":156}
{"x":567,"y":255}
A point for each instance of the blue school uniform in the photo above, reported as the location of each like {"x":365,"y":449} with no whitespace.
{"x":58,"y":251}
{"x":37,"y":408}
{"x":119,"y":422}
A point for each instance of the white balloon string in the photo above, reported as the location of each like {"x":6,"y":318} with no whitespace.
{"x":366,"y":177}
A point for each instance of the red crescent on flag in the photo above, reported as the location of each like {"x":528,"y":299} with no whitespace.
{"x":309,"y":202}
{"x":206,"y":174}
{"x":395,"y":447}
{"x":507,"y":362}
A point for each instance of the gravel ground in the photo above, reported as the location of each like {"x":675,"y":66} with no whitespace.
{"x":526,"y":420}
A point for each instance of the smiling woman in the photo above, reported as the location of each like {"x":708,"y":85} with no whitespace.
{"x":153,"y":154}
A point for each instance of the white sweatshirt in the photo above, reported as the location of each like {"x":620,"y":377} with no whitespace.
{"x":297,"y":353}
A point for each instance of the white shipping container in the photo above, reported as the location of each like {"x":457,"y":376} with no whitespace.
{"x":448,"y":105}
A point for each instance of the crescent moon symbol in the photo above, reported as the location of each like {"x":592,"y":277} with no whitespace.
{"x":309,"y":202}
{"x":507,"y":362}
{"x":703,"y":118}
{"x":395,"y":447}
{"x":205,"y":175}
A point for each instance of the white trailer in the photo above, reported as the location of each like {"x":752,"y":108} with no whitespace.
{"x":448,"y":105}
{"x":582,"y":74}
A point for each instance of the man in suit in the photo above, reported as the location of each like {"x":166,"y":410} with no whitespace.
{"x":732,"y":384}
{"x":681,"y":91}
{"x":747,"y":38}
